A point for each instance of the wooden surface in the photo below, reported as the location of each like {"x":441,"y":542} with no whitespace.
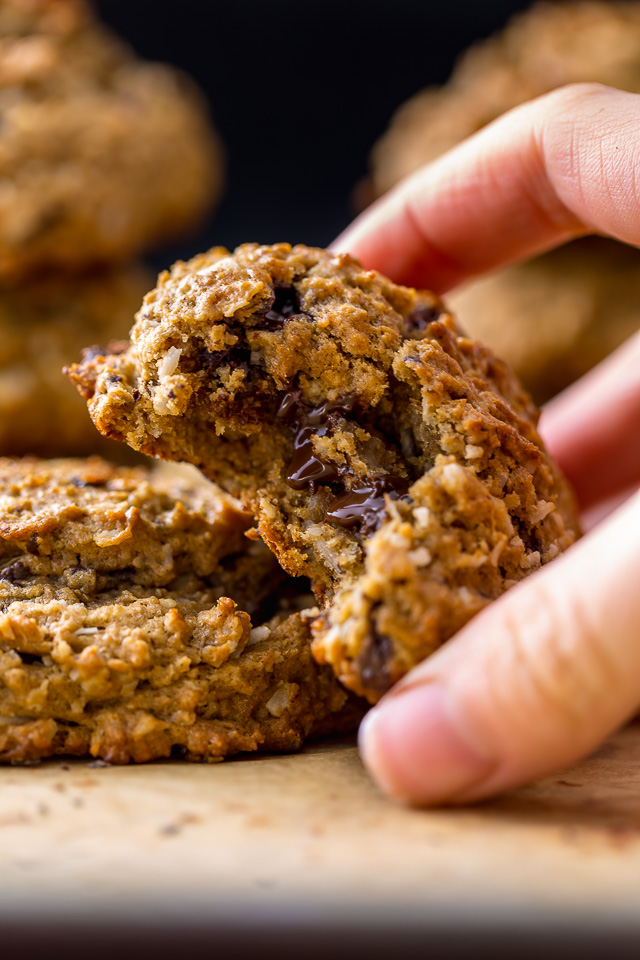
{"x":312,"y":828}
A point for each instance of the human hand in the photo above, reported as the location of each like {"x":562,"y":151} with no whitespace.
{"x":545,"y":673}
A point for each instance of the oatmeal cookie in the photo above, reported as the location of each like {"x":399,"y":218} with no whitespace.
{"x":101,"y":154}
{"x":43,"y":326}
{"x":549,"y":45}
{"x":559,"y":315}
{"x":118,"y":637}
{"x":568,"y":309}
{"x":382,"y":453}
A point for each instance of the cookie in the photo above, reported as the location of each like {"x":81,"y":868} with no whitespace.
{"x":42,"y":327}
{"x":549,"y":45}
{"x":568,"y":309}
{"x":382,"y":453}
{"x":118,"y":635}
{"x":559,"y":315}
{"x":102,"y":155}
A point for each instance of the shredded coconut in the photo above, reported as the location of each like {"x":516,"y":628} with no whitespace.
{"x":421,"y":557}
{"x":544,"y":508}
{"x":258,"y":634}
{"x":170,"y":362}
{"x":472,"y":452}
{"x":422,"y":516}
{"x":279,"y":701}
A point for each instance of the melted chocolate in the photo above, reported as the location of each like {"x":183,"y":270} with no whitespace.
{"x":288,"y":405}
{"x":364,"y":506}
{"x":232,"y":356}
{"x":286,"y":304}
{"x":421,"y":317}
{"x":373,"y":662}
{"x":306,"y":469}
{"x":17,"y":571}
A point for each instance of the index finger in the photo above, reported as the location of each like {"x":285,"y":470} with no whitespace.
{"x":552,"y":169}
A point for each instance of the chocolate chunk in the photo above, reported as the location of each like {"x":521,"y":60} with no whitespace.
{"x":421,"y":317}
{"x":321,"y":415}
{"x":306,"y":468}
{"x":373,"y":662}
{"x":364,"y":506}
{"x":233,"y":356}
{"x":33,"y":545}
{"x":288,"y":404}
{"x":17,"y":571}
{"x":293,"y":409}
{"x":286,"y":304}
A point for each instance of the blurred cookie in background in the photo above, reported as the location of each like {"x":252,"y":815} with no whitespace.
{"x":559,"y":315}
{"x":556,"y":316}
{"x":44,"y":326}
{"x":102,"y":155}
{"x":549,"y":45}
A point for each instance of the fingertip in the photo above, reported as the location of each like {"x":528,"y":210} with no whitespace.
{"x":388,"y":237}
{"x":416,"y":752}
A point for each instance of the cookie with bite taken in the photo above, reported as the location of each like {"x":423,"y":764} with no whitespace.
{"x":381,"y":452}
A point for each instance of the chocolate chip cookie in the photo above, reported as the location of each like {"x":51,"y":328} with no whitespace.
{"x":44,"y":325}
{"x":382,"y":453}
{"x":101,"y":154}
{"x":118,"y":637}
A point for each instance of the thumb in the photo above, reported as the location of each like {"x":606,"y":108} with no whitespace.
{"x":530,"y":685}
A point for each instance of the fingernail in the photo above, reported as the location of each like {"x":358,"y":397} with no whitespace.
{"x":413,"y":746}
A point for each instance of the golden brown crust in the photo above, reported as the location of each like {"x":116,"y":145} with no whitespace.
{"x":143,"y":679}
{"x":101,"y":154}
{"x":359,"y":425}
{"x":88,"y":522}
{"x":117,"y":636}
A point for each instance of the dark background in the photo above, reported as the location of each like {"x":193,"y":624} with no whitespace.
{"x":300,"y":91}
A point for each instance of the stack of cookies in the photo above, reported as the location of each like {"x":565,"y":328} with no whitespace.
{"x":118,"y":634}
{"x":554,"y":317}
{"x":379,"y":457}
{"x":101,"y":157}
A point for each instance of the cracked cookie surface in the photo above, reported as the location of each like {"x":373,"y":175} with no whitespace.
{"x":382,"y":453}
{"x":118,"y":635}
{"x":101,"y":154}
